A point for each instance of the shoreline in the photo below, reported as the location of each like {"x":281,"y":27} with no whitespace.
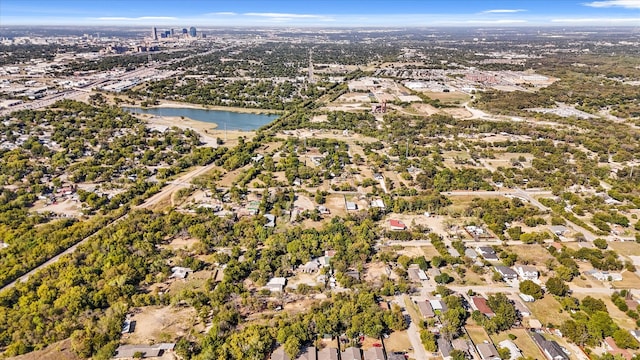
{"x":176,"y":104}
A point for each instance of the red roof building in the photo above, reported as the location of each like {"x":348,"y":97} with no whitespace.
{"x":397,"y":225}
{"x":481,"y":305}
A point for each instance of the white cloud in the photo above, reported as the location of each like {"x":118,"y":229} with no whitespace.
{"x":286,"y":16}
{"x":597,"y":20}
{"x":503,"y":11}
{"x":141,"y":18}
{"x":224,"y":13}
{"x":629,"y":4}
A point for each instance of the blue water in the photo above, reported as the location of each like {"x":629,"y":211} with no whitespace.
{"x":232,"y":120}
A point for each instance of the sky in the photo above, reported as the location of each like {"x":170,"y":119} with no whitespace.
{"x":321,"y":13}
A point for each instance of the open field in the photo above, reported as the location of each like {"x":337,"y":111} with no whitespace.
{"x":162,"y":324}
{"x":477,"y":333}
{"x":448,"y":97}
{"x":523,"y":341}
{"x":397,"y":341}
{"x":548,"y":311}
{"x":61,"y":350}
{"x":625,"y":248}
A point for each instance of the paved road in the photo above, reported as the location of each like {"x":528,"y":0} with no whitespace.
{"x":54,"y":259}
{"x":419,"y":353}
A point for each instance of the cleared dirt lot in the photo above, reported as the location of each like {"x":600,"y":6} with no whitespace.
{"x":162,"y":324}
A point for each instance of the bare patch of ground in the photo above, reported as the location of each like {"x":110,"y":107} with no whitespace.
{"x":57,"y":351}
{"x":162,"y":324}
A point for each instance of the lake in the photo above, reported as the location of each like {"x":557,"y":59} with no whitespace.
{"x":232,"y":120}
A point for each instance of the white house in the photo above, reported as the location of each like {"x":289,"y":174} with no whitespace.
{"x":514,"y":352}
{"x":277,"y":284}
{"x":527,"y":272}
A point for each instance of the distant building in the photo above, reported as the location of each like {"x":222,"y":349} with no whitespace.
{"x":179,"y":272}
{"x":185,"y":31}
{"x":192,"y":31}
{"x":154,"y":33}
{"x":271,"y":220}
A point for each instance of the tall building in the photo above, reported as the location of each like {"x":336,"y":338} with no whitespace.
{"x":192,"y":31}
{"x":154,"y":33}
{"x":185,"y":31}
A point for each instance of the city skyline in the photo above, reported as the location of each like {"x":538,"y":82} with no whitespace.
{"x":321,"y":13}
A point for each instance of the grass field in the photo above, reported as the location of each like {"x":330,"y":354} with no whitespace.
{"x":625,"y":248}
{"x":547,"y":310}
{"x":477,"y":334}
{"x":448,"y":97}
{"x":523,"y":342}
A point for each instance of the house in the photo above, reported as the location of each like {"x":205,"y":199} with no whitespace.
{"x":550,"y":349}
{"x":179,"y":272}
{"x":635,"y":334}
{"x":378,"y":176}
{"x":425,"y":308}
{"x":506,"y":273}
{"x":416,"y":274}
{"x":397,"y":225}
{"x":604,"y":275}
{"x":514,"y":352}
{"x":328,"y":354}
{"x":271,"y":220}
{"x":614,"y":350}
{"x":351,"y":353}
{"x":445,"y":348}
{"x":487,"y":351}
{"x":128,"y":351}
{"x":280,"y":354}
{"x":521,"y":308}
{"x":527,"y":272}
{"x":378,"y":203}
{"x":438,"y":305}
{"x":323,"y":210}
{"x":453,"y":252}
{"x":487,"y":252}
{"x":559,"y":230}
{"x":462,"y":345}
{"x":257,"y":158}
{"x":374,"y":353}
{"x":309,"y":353}
{"x":412,"y":273}
{"x":277,"y":284}
{"x":351,"y":206}
{"x":480,"y":304}
{"x":470,"y":253}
